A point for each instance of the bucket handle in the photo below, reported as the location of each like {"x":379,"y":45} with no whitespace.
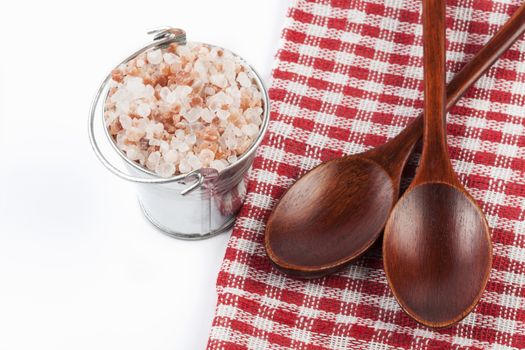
{"x":160,"y":36}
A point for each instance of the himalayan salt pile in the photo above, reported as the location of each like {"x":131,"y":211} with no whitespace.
{"x":184,"y":107}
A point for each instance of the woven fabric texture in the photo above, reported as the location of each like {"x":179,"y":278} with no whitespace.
{"x":348,"y":77}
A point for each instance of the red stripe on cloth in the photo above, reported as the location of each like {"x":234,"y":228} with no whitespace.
{"x":348,"y":78}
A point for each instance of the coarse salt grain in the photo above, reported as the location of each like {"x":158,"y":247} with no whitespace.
{"x":183,"y":107}
{"x":219,"y":80}
{"x":184,"y":166}
{"x":153,"y":160}
{"x":206,"y":156}
{"x":143,"y":110}
{"x":169,"y":58}
{"x":222,"y":114}
{"x":165,"y":169}
{"x":243,"y":79}
{"x":154,"y":56}
{"x":171,"y":156}
{"x":251,"y":130}
{"x":194,"y":161}
{"x":218,"y":164}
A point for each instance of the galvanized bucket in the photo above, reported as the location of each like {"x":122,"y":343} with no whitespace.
{"x":190,"y":206}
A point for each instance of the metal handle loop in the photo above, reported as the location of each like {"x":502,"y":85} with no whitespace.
{"x":195,"y":185}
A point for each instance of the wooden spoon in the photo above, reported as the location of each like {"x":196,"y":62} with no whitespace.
{"x":335,"y":212}
{"x":436,"y":247}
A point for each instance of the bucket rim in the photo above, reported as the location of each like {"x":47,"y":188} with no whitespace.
{"x":153,"y":177}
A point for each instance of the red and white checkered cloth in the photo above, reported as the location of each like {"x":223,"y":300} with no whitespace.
{"x":348,"y":78}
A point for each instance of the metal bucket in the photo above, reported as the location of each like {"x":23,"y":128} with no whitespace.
{"x":190,"y":206}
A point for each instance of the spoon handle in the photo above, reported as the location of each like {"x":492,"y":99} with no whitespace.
{"x":394,"y":154}
{"x":435,"y":161}
{"x":487,"y":56}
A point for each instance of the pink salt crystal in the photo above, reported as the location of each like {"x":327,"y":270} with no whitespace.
{"x":192,"y":115}
{"x":164,"y":147}
{"x":140,"y":123}
{"x":250,"y":130}
{"x":180,"y":133}
{"x":207,"y":115}
{"x":150,"y":130}
{"x":218,"y":164}
{"x":122,"y":107}
{"x":229,"y":69}
{"x":158,"y":129}
{"x":219,"y":80}
{"x":183,"y":51}
{"x":253,"y":114}
{"x":222,"y":114}
{"x":125,"y":121}
{"x":135,"y":134}
{"x":218,"y":100}
{"x":164,"y":92}
{"x":190,"y":139}
{"x":179,"y":95}
{"x":183,"y":147}
{"x":198,"y":85}
{"x":257,"y":97}
{"x":228,"y":55}
{"x":172,"y":97}
{"x":154,"y":56}
{"x":110,"y":117}
{"x":201,"y":69}
{"x":135,"y":86}
{"x":243,"y":79}
{"x":230,"y":141}
{"x":209,"y":91}
{"x":243,"y":146}
{"x":194,"y":161}
{"x":134,"y":154}
{"x":154,"y":142}
{"x":165,"y":169}
{"x":153,"y":160}
{"x":171,"y":156}
{"x":235,"y":94}
{"x":169,"y":58}
{"x":206,"y":156}
{"x":216,"y":53}
{"x":149,"y":91}
{"x":237,"y":131}
{"x":143,"y":110}
{"x":184,"y":166}
{"x":183,"y":90}
{"x":120,"y":95}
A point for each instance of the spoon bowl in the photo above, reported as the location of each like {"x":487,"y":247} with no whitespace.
{"x":437,"y":253}
{"x":340,"y":206}
{"x":437,"y":250}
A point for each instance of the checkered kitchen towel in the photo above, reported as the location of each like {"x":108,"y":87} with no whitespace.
{"x":348,"y":78}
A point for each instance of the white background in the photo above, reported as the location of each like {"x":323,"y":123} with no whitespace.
{"x":80,"y":267}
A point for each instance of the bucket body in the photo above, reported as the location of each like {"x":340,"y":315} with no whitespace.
{"x":191,"y":206}
{"x":206,"y":211}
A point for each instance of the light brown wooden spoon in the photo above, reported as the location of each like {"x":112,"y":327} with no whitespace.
{"x":335,"y":212}
{"x":437,"y":251}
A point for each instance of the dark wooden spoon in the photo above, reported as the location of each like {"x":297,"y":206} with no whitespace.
{"x":437,"y":251}
{"x":335,"y":212}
